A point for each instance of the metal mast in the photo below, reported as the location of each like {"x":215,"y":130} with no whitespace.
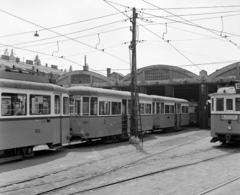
{"x":134,"y":128}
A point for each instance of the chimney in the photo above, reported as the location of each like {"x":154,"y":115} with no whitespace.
{"x":108,"y":72}
{"x":85,"y":67}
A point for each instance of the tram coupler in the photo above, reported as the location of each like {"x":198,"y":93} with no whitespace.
{"x":214,"y":139}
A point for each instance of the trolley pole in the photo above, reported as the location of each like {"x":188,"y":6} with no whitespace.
{"x":134,"y":105}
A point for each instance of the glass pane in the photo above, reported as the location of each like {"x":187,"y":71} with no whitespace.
{"x":162,"y":108}
{"x":40,"y":104}
{"x":85,"y":105}
{"x":158,"y":108}
{"x":116,"y":108}
{"x":166,"y":109}
{"x":94,"y":104}
{"x":212,"y":104}
{"x":57,"y":104}
{"x":13,"y":104}
{"x":229,"y":104}
{"x":237,"y":104}
{"x":104,"y":108}
{"x":154,"y":107}
{"x":219,"y":104}
{"x":65,"y":105}
{"x":78,"y":105}
{"x":142,"y":108}
{"x":71,"y":105}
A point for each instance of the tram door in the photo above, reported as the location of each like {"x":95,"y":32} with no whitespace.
{"x":125,"y":121}
{"x":178,"y":116}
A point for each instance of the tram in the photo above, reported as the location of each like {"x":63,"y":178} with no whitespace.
{"x":225,"y":113}
{"x":33,"y":112}
{"x":104,"y":113}
{"x":169,"y":113}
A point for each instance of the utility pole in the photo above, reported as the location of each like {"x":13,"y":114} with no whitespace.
{"x":134,"y":93}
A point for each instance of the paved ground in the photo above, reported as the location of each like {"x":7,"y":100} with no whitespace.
{"x":103,"y":164}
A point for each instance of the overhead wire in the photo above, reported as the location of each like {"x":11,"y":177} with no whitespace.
{"x":61,"y":25}
{"x":60,"y":57}
{"x":206,"y":7}
{"x":189,"y":22}
{"x":66,"y":37}
{"x":159,"y":37}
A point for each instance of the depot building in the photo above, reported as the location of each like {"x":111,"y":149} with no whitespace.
{"x":163,"y":80}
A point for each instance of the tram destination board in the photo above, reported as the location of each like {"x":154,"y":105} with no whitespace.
{"x":229,"y":117}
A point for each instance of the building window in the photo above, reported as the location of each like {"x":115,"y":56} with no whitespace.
{"x":157,"y":74}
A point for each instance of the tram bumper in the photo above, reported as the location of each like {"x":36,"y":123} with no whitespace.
{"x":214,"y":139}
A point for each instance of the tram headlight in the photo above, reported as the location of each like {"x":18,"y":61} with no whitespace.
{"x":229,"y":128}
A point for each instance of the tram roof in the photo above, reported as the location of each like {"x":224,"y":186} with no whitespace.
{"x":164,"y":98}
{"x":92,"y":91}
{"x":17,"y":84}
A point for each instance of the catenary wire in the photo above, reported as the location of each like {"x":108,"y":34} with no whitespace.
{"x":61,"y":25}
{"x":67,"y":37}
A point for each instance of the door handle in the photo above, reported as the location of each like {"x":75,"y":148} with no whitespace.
{"x":48,"y":120}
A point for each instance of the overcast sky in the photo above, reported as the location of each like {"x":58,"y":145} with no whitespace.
{"x":190,"y":34}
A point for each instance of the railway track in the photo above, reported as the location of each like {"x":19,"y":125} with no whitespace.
{"x":116,"y":169}
{"x":108,"y":157}
{"x":219,"y":186}
{"x":57,"y":190}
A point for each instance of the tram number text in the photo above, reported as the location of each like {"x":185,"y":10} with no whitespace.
{"x":37,"y":130}
{"x":85,"y":122}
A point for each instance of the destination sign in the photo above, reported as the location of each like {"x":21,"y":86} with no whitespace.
{"x":229,"y":117}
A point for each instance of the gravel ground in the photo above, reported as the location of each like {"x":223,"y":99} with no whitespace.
{"x":209,"y":165}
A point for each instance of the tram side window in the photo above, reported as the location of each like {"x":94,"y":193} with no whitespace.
{"x":116,"y":108}
{"x":171,"y":109}
{"x":104,"y":108}
{"x":153,"y":107}
{"x":142,"y":108}
{"x":148,"y":109}
{"x":13,"y":104}
{"x":94,"y":104}
{"x":167,"y":109}
{"x":185,"y":110}
{"x":85,"y":105}
{"x":237,"y":104}
{"x":40,"y":104}
{"x":78,"y":105}
{"x":162,"y":108}
{"x":57,"y":104}
{"x":129,"y":107}
{"x":229,"y":104}
{"x":65,"y":105}
{"x":71,"y":105}
{"x":158,"y":108}
{"x":219,"y":104}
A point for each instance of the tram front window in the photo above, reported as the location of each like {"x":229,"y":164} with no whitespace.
{"x":237,"y":104}
{"x":219,"y":104}
{"x":229,"y":104}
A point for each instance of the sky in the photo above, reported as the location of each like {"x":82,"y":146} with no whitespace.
{"x":190,"y":34}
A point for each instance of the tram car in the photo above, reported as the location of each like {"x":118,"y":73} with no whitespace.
{"x":104,"y":113}
{"x":169,"y":113}
{"x":33,"y":112}
{"x":225,"y":113}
